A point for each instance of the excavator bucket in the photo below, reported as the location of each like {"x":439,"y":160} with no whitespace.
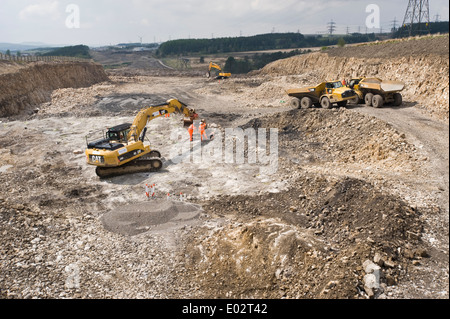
{"x":188,"y":121}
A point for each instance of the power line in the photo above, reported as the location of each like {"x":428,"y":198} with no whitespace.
{"x":437,"y":18}
{"x":417,"y":14}
{"x":331,"y":27}
{"x":394,"y":24}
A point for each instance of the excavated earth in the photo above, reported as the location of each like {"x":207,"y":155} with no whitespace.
{"x":354,"y":189}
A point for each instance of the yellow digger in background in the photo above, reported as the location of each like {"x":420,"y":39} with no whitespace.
{"x":221,"y":74}
{"x":122,"y":151}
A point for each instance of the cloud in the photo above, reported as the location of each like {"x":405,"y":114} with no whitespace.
{"x":44,"y":9}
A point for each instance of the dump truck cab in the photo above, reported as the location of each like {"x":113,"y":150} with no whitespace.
{"x":354,"y":83}
{"x":326,"y":94}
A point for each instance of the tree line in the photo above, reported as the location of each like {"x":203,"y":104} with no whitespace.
{"x":257,"y":61}
{"x":77,"y":51}
{"x":272,"y":41}
{"x":432,"y":28}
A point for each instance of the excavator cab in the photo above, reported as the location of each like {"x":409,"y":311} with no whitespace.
{"x":114,"y":138}
{"x":119,"y":133}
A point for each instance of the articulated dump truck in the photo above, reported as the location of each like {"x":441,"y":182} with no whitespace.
{"x":376,"y":92}
{"x":324,"y":95}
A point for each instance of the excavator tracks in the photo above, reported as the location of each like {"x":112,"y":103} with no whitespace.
{"x":144,"y":165}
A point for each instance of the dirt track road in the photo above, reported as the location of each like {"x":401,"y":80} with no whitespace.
{"x":432,"y":138}
{"x":427,"y":134}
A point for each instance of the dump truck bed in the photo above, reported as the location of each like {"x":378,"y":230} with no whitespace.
{"x":313,"y":92}
{"x":383,"y":86}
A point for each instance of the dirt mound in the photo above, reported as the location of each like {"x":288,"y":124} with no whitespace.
{"x":308,"y":242}
{"x":33,"y":84}
{"x":426,"y":76}
{"x":419,"y":46}
{"x":341,"y":136}
{"x":9,"y":67}
{"x":142,"y":217}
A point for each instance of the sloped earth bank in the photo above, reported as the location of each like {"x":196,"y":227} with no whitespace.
{"x":24,"y":87}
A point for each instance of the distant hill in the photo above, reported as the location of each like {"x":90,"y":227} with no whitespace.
{"x":22,"y":46}
{"x":77,"y":51}
{"x":277,"y":41}
{"x":272,"y":41}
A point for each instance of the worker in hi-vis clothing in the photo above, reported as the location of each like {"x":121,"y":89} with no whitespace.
{"x":200,"y":128}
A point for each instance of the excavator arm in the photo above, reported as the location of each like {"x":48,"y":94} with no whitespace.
{"x":213,"y":66}
{"x":149,"y":114}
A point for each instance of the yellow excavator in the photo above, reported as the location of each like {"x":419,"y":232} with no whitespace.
{"x":221,"y":74}
{"x":122,"y":151}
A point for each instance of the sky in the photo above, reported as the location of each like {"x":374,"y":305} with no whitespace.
{"x":106,"y":22}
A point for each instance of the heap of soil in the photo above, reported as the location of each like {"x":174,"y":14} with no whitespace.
{"x":434,"y":45}
{"x":339,"y":136}
{"x":308,"y":242}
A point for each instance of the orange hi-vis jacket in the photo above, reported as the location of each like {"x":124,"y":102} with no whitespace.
{"x":201,"y":129}
{"x":191,"y":132}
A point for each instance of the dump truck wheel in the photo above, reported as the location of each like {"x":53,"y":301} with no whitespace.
{"x":356,"y":100}
{"x":369,"y":99}
{"x":377,"y":101}
{"x":343,"y":104}
{"x":306,"y":103}
{"x":296,"y":103}
{"x":398,"y":99}
{"x":326,"y":103}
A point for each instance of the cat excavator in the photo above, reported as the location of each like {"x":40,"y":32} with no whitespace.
{"x":122,"y":151}
{"x":221,"y":75}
